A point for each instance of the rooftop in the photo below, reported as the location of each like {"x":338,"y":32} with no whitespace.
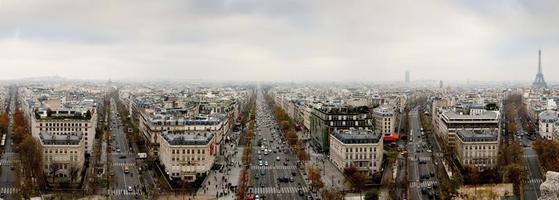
{"x":54,"y":139}
{"x":477,"y":136}
{"x":485,"y":116}
{"x":186,"y":139}
{"x":344,"y":110}
{"x":548,"y":116}
{"x":357,"y":136}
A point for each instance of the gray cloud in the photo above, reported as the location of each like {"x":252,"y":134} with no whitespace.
{"x":279,"y":40}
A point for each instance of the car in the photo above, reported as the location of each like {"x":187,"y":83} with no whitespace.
{"x":285,"y":163}
{"x":294,"y":173}
{"x":261,"y":184}
{"x":429,"y":151}
{"x":286,"y":159}
{"x":266,"y":163}
{"x":260,"y":163}
{"x":256,"y":176}
{"x":262,"y":172}
{"x":278,"y":158}
{"x":129,"y":188}
{"x":301,"y":193}
{"x":122,"y":157}
{"x":260,"y":157}
{"x":2,"y":195}
{"x":291,"y":179}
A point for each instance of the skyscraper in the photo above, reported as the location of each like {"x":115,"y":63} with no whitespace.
{"x":407,"y":76}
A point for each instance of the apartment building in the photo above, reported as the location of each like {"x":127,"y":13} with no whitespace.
{"x":362,"y":149}
{"x":63,"y":154}
{"x":547,"y":121}
{"x":187,"y":156}
{"x":66,"y":120}
{"x":448,"y":122}
{"x":153,"y":124}
{"x":477,"y":148}
{"x":324,"y":120}
{"x":384,"y":119}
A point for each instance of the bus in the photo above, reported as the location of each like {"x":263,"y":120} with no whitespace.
{"x":3,"y":143}
{"x":142,"y":156}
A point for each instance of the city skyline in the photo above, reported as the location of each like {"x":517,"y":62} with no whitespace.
{"x":285,"y":41}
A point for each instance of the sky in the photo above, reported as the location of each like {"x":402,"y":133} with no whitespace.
{"x":288,"y":40}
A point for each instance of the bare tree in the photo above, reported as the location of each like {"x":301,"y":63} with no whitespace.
{"x":53,"y":168}
{"x":74,"y":172}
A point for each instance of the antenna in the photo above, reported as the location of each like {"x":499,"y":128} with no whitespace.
{"x":540,"y":61}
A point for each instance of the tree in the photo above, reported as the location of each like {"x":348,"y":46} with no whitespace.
{"x":517,"y":175}
{"x":315,"y":178}
{"x":4,"y":121}
{"x":372,"y":194}
{"x":53,"y":168}
{"x":547,"y":154}
{"x":74,"y":173}
{"x":356,"y":179}
{"x":303,"y":155}
{"x":491,"y":106}
{"x":332,"y":194}
{"x":31,"y":156}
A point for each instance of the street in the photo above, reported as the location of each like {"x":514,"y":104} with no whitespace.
{"x":124,"y":172}
{"x":530,"y":158}
{"x":273,"y":170}
{"x":421,"y":169}
{"x":8,"y":176}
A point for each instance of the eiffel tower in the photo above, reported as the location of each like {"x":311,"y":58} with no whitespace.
{"x":539,"y":83}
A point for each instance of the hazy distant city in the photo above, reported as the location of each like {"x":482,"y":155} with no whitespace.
{"x":279,"y":100}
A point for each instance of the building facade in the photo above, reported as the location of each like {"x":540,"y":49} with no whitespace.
{"x":63,"y":155}
{"x":362,"y":149}
{"x":449,"y":122}
{"x":187,"y":156}
{"x":325,"y":120}
{"x":477,"y":148}
{"x":384,"y":119}
{"x":547,"y":120}
{"x":65,"y":122}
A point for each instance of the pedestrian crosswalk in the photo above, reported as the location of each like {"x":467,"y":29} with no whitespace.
{"x":416,"y":184}
{"x":425,"y":158}
{"x":534,"y":180}
{"x":8,"y":162}
{"x":123,"y":164}
{"x":276,"y":190}
{"x":8,"y":190}
{"x":123,"y":192}
{"x":273,"y":167}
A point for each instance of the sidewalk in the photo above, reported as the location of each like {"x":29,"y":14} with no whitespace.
{"x":216,"y":182}
{"x":331,"y":176}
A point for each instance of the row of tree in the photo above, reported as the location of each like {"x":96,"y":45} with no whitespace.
{"x":30,"y":154}
{"x":510,"y":150}
{"x":4,"y":120}
{"x":248,"y":113}
{"x":547,"y":151}
{"x":288,"y":129}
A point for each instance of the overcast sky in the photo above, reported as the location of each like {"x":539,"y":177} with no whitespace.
{"x":279,"y":40}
